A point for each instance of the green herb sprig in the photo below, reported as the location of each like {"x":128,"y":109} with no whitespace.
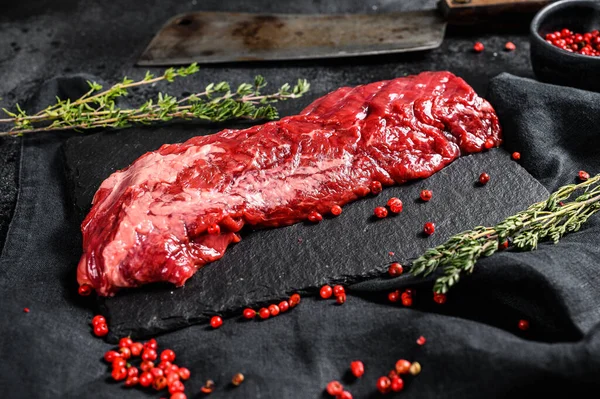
{"x":96,"y":108}
{"x":545,"y":220}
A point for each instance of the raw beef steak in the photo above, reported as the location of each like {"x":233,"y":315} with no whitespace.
{"x":178,"y":208}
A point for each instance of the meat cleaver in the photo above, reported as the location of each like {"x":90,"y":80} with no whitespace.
{"x":211,"y":37}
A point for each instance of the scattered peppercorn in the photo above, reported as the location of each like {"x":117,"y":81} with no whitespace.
{"x":208,"y":387}
{"x":130,"y":382}
{"x":510,"y":46}
{"x":110,"y":356}
{"x":165,"y":365}
{"x":176,"y":386}
{"x":478,"y":47}
{"x":583,"y":175}
{"x":146,"y":365}
{"x":402,"y":366}
{"x":421,"y":340}
{"x":484,"y":178}
{"x":489,"y":144}
{"x":344,"y":395}
{"x":516,"y":156}
{"x":376,"y":187}
{"x":384,"y":385}
{"x":85,"y":290}
{"x":124,"y":342}
{"x":315,"y":217}
{"x":395,"y":205}
{"x":264,"y":313}
{"x":136,"y":348}
{"x":523,"y":325}
{"x":98,"y":319}
{"x":172,"y":377}
{"x":216,"y":321}
{"x":237,"y":379}
{"x":357,"y":368}
{"x":119,"y":362}
{"x":340,"y":299}
{"x":397,"y":384}
{"x":100,"y":330}
{"x":395,"y":269}
{"x":336,"y":210}
{"x":184,"y":373}
{"x":214,"y":229}
{"x":326,"y":292}
{"x":380,"y":212}
{"x":415,"y":368}
{"x":249,"y":313}
{"x":439,"y":298}
{"x":167,"y":355}
{"x":394,"y":296}
{"x":125,"y":353}
{"x":334,"y":388}
{"x":152,"y":344}
{"x":426,"y":195}
{"x":146,"y":379}
{"x":429,"y":228}
{"x":294,"y":300}
{"x":159,"y":383}
{"x":338,"y":290}
{"x":119,"y":373}
{"x":284,"y":306}
{"x":157,"y":372}
{"x":273,"y":310}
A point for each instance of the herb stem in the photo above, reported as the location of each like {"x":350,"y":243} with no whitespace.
{"x":544,"y":220}
{"x":217,"y":102}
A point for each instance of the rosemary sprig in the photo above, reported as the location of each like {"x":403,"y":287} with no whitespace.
{"x":545,"y":220}
{"x":97,"y":108}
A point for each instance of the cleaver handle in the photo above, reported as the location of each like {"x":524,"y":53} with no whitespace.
{"x":465,"y":12}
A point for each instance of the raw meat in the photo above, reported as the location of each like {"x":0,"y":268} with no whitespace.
{"x":150,"y":222}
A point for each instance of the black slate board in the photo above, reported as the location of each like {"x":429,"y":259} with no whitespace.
{"x":268,"y":265}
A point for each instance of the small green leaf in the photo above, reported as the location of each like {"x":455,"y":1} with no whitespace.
{"x":7,"y":112}
{"x":94,"y":86}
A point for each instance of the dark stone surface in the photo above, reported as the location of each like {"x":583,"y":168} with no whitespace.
{"x":42,"y":39}
{"x":269,"y":264}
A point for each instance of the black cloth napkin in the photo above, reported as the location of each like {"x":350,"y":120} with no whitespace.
{"x":473,"y":347}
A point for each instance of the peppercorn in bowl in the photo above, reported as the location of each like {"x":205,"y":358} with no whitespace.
{"x":565,"y":44}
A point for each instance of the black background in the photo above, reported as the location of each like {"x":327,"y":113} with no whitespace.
{"x":473,"y":347}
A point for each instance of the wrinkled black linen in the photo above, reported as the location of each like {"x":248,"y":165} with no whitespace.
{"x":473,"y":347}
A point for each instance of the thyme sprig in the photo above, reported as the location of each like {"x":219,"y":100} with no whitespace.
{"x":98,"y":108}
{"x":545,"y":220}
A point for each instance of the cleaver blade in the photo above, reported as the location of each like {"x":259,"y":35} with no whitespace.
{"x":217,"y":37}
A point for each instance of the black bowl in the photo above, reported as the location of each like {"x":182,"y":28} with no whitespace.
{"x":554,"y":65}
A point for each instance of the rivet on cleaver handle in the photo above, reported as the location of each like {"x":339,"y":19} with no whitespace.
{"x":209,"y":37}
